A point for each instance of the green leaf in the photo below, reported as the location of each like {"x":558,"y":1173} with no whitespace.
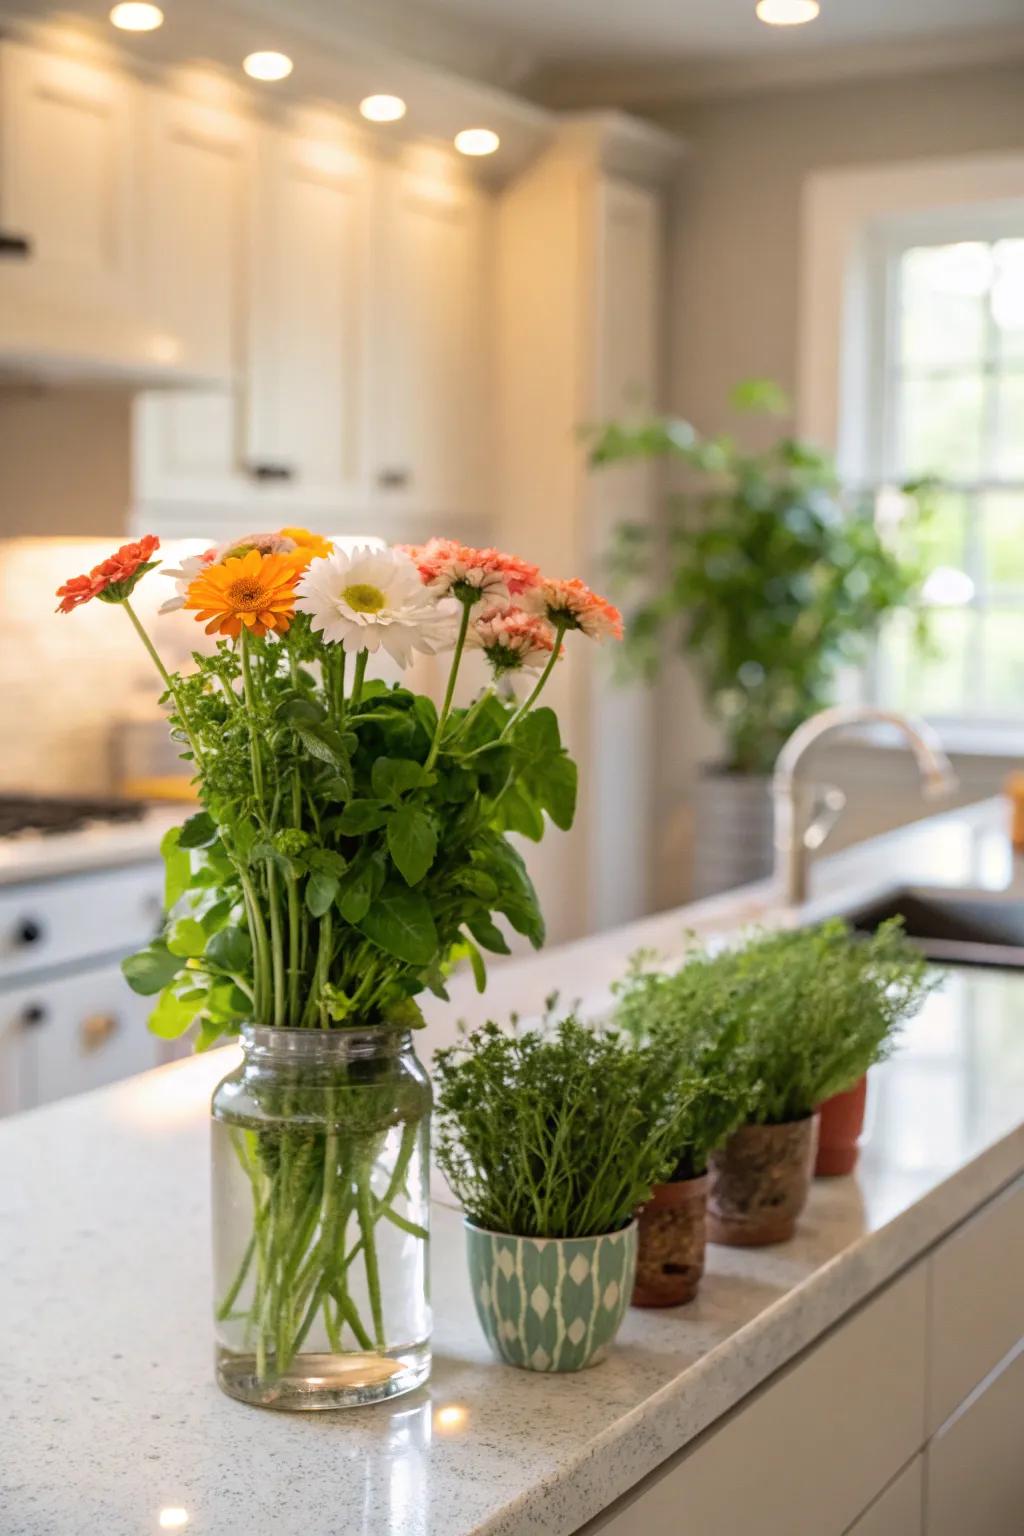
{"x":487,"y":933}
{"x":299,"y":711}
{"x":412,"y":842}
{"x":321,"y":889}
{"x":476,"y":961}
{"x":392,"y":777}
{"x":172,"y":1016}
{"x":215,"y":916}
{"x":361,"y":816}
{"x":186,"y":938}
{"x":479,"y":882}
{"x":230,"y":950}
{"x":337,"y":788}
{"x":327,"y":860}
{"x":322,"y":743}
{"x":177,"y":867}
{"x":152,"y":969}
{"x":400,"y":922}
{"x":198,"y":831}
{"x":355,"y":894}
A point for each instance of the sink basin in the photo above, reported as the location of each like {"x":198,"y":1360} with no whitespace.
{"x":959,"y":927}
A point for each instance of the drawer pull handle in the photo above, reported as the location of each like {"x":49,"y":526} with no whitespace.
{"x":18,"y":247}
{"x":29,"y":931}
{"x":97,"y":1029}
{"x":267,"y":472}
{"x":394,"y":479}
{"x":33,"y":1016}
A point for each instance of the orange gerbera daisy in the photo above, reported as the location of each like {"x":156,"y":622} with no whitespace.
{"x":254,"y":590}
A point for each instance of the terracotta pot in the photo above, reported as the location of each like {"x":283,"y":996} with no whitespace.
{"x":759,"y":1183}
{"x":842,"y":1120}
{"x":670,"y":1259}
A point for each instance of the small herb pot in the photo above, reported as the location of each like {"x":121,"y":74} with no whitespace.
{"x":759,"y":1183}
{"x":555,"y":1303}
{"x":672,"y":1237}
{"x":842,"y":1121}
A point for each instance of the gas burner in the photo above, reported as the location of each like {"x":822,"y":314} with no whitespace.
{"x":39,"y":814}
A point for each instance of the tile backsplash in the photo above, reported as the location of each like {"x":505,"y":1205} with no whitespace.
{"x":66,"y":680}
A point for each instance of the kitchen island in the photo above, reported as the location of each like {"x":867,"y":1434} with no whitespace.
{"x":112,"y":1422}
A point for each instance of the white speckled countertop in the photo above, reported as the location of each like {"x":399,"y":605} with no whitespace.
{"x":110,"y":1413}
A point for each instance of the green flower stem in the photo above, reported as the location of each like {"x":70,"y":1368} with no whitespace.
{"x":360,"y":673}
{"x":529,"y":702}
{"x":260,"y":947}
{"x":168,"y":680}
{"x":449,"y":693}
{"x":364,"y":1207}
{"x":277,"y":946}
{"x":250,"y":705}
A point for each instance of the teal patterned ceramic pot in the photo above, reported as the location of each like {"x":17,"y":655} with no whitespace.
{"x":555,"y":1303}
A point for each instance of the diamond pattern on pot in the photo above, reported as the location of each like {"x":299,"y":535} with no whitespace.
{"x":576,"y":1330}
{"x":506,"y":1262}
{"x":540,"y":1301}
{"x":540,"y":1359}
{"x":579,"y":1269}
{"x":611,"y":1295}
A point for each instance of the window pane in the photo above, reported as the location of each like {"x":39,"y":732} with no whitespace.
{"x":1008,"y":297}
{"x":1002,"y":515}
{"x":944,"y":291}
{"x":938,"y":536}
{"x":942,"y":427}
{"x":1010,"y":448}
{"x":1003,"y":663}
{"x":934,"y":681}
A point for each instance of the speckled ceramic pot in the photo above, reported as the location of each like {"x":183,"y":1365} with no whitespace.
{"x":551,"y":1304}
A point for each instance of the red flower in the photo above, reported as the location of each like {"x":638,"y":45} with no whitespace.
{"x":113,"y":579}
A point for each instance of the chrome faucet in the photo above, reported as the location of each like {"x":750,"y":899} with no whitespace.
{"x":793,"y":841}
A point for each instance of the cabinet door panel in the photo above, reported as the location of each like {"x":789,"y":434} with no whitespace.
{"x":306,"y":408}
{"x":430,"y":419}
{"x":67,"y":178}
{"x":975,"y":1472}
{"x":900,"y":1510}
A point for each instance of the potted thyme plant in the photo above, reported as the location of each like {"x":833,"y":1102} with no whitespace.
{"x":669,"y":1017}
{"x":550,"y":1139}
{"x":353,"y":842}
{"x":819,"y":1006}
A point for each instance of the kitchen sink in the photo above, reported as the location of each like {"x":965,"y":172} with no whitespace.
{"x":959,"y":927}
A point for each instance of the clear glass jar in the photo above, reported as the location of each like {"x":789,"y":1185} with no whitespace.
{"x":321,"y":1146}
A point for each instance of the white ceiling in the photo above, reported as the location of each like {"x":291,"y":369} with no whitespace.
{"x":630,"y":31}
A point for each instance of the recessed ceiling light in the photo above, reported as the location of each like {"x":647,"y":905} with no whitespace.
{"x":476,"y":141}
{"x":137,"y":16}
{"x":382,"y":109}
{"x":267,"y":65}
{"x":787,"y":13}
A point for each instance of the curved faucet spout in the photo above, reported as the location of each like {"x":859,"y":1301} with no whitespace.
{"x":791,"y":846}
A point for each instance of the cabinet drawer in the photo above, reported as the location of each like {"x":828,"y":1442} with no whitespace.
{"x":67,"y":1036}
{"x":807,"y":1454}
{"x":977,"y":1302}
{"x":975,"y":1473}
{"x":56,"y":922}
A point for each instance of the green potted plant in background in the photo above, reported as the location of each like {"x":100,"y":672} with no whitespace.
{"x":550,"y":1139}
{"x":820,"y":1006}
{"x":670,"y":1018}
{"x":772,"y":579}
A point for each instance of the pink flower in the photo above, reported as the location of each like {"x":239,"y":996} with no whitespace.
{"x":486,"y":578}
{"x":572,"y":605}
{"x":513,"y":640}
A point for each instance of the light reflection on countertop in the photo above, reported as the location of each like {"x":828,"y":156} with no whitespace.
{"x":105,"y":1289}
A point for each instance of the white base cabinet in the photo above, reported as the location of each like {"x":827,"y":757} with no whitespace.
{"x":844,"y":1441}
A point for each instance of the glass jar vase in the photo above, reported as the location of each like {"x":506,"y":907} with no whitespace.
{"x":321,"y":1144}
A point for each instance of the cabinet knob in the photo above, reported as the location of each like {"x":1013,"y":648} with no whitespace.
{"x":265,"y":472}
{"x":97,"y":1029}
{"x":15,"y":247}
{"x":394,"y":479}
{"x":28,"y":931}
{"x":33,"y":1015}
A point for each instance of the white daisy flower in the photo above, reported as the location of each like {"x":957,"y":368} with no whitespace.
{"x":367,"y":599}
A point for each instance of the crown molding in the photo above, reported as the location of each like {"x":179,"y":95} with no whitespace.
{"x":644,"y":87}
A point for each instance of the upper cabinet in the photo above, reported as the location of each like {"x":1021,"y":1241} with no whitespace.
{"x":305,"y":439}
{"x":432,"y":365}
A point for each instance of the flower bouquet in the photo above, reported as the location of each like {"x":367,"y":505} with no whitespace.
{"x":351,"y":848}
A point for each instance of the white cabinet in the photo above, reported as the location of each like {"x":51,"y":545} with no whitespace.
{"x":306,"y":424}
{"x":431,"y":378}
{"x":198,"y":178}
{"x":67,"y":182}
{"x":899,"y":1511}
{"x":975,"y":1472}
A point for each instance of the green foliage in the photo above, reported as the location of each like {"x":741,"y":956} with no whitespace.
{"x":334,"y":872}
{"x":558,"y":1132}
{"x":681,"y":1021}
{"x":767,"y":575}
{"x":793,"y":1017}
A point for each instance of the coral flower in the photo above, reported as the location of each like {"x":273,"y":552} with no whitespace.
{"x":252,"y":590}
{"x":513,"y":641}
{"x":113,"y":579}
{"x":572,"y":605}
{"x":486,"y":578}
